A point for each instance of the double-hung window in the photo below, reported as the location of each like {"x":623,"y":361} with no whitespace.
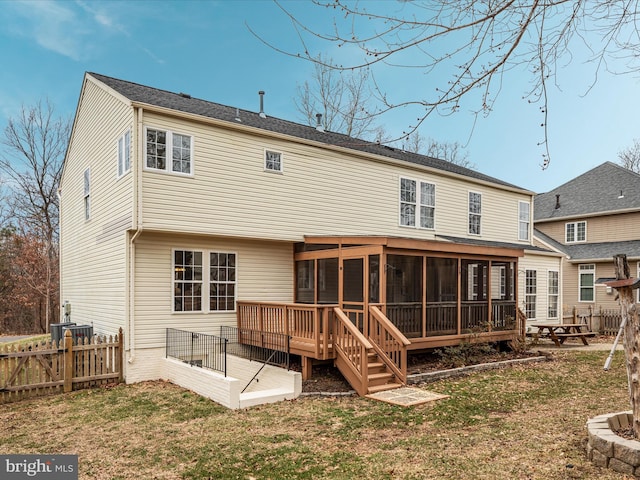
{"x":553,"y":290}
{"x":222,"y":281}
{"x":124,"y":153}
{"x":87,"y":194}
{"x":586,"y":282}
{"x":201,"y":274}
{"x":530,"y":293}
{"x":187,"y":281}
{"x":169,"y":151}
{"x":417,"y":204}
{"x":523,"y":220}
{"x":272,"y":161}
{"x":576,"y":232}
{"x":475,"y":213}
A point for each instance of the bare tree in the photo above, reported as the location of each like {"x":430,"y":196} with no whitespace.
{"x":472,"y":45}
{"x":340,"y":97}
{"x":452,"y":152}
{"x":31,"y":164}
{"x":630,"y":157}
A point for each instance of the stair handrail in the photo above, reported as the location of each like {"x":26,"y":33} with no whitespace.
{"x":389,"y":342}
{"x":353,"y":347}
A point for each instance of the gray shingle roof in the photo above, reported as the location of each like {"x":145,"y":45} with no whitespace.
{"x":489,"y":243}
{"x":592,"y":251}
{"x":594,"y":192}
{"x":184,"y":103}
{"x":606,"y":250}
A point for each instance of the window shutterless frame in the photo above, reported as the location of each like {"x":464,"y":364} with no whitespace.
{"x":475,"y":213}
{"x":524,"y":220}
{"x":417,"y":204}
{"x":168,"y":151}
{"x":273,"y":161}
{"x":204,"y":281}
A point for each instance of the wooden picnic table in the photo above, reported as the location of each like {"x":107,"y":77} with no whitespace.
{"x":560,"y":332}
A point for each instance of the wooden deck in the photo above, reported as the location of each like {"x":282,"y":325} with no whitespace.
{"x":371,"y":349}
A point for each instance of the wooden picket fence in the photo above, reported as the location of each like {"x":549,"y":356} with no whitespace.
{"x":35,"y":370}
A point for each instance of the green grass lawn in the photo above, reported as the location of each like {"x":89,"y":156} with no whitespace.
{"x":525,"y":422}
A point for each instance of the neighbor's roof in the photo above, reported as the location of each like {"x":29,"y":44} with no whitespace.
{"x":184,"y":103}
{"x":603,"y":189}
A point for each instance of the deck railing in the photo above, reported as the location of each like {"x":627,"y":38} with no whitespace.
{"x":390,"y":344}
{"x":503,"y":314}
{"x":442,"y":319}
{"x":352,"y":349}
{"x":310,"y":324}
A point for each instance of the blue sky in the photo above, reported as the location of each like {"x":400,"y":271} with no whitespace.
{"x":205,"y":48}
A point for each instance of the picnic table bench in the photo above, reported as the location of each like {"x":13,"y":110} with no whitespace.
{"x":559,"y":332}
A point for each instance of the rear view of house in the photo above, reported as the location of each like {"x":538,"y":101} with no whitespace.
{"x":186,"y":214}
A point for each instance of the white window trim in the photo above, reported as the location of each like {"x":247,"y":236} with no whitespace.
{"x":528,"y":221}
{"x":575,"y":232}
{"x":593,"y":287}
{"x":86,"y":198}
{"x":557,"y":295}
{"x":417,"y":204}
{"x":124,"y":155}
{"x":469,"y":213}
{"x":206,"y":281}
{"x":271,"y":170}
{"x":534,"y":295}
{"x":169,"y":160}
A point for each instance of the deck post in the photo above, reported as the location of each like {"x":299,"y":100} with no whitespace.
{"x":307,"y":367}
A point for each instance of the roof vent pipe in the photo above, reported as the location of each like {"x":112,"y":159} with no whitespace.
{"x":319,"y":126}
{"x":557,"y":201}
{"x":262,"y":114}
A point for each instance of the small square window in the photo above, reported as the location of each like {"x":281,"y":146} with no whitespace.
{"x":272,"y":161}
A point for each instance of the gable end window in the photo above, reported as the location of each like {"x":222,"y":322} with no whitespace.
{"x":576,"y":232}
{"x":169,"y":151}
{"x":272,"y":161}
{"x":417,"y":207}
{"x":124,"y":153}
{"x":523,"y":220}
{"x":475,"y":213}
{"x":87,"y":194}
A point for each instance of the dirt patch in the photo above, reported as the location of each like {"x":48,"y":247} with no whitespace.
{"x":327,"y":378}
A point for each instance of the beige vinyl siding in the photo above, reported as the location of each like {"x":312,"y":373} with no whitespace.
{"x":264,"y":273}
{"x":93,"y":252}
{"x":320,"y":192}
{"x":602,"y":298}
{"x":542,"y":264}
{"x":606,"y":228}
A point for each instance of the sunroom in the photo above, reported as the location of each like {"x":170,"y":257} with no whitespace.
{"x":424,"y":293}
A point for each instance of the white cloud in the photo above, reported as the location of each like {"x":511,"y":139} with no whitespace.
{"x":73,"y":30}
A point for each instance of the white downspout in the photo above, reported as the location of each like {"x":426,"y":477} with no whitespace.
{"x":137,"y":212}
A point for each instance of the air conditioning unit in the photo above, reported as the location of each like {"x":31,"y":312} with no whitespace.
{"x":79,"y":332}
{"x":56,"y":330}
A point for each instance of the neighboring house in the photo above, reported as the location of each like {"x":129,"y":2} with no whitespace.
{"x":589,"y":220}
{"x":178,"y":212}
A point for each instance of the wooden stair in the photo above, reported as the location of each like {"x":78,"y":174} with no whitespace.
{"x":380,"y":378}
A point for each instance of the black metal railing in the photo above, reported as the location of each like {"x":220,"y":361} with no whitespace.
{"x":198,"y":349}
{"x":266,"y":347}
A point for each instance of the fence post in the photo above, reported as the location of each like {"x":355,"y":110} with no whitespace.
{"x":119,"y":362}
{"x":68,"y":362}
